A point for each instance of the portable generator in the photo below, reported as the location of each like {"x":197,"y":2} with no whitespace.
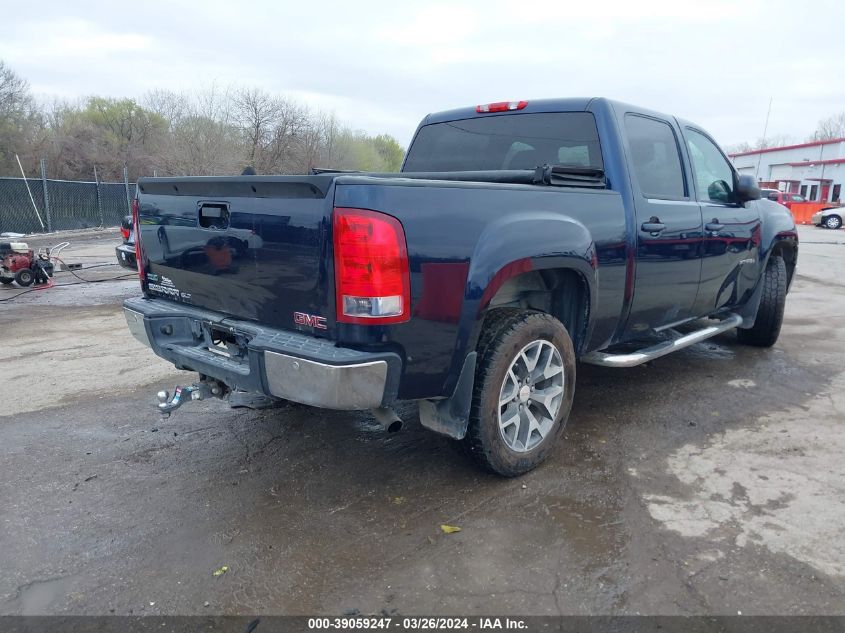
{"x":20,"y":264}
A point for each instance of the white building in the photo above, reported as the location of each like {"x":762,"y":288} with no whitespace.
{"x":814,"y":170}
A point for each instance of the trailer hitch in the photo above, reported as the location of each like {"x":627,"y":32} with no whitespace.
{"x":198,"y":391}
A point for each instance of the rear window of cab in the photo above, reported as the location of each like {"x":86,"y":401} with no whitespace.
{"x":509,"y":141}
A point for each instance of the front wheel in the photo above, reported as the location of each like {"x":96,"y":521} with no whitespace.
{"x":769,"y":318}
{"x":524,"y":386}
{"x":832,"y":222}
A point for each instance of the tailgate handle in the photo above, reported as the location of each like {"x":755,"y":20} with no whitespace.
{"x":214,"y":215}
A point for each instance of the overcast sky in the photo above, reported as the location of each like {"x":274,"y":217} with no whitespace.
{"x":381,"y":66}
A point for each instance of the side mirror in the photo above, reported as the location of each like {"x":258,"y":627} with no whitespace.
{"x":719,"y":191}
{"x":746,"y":189}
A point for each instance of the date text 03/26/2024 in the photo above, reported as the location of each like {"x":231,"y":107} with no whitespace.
{"x":416,"y":623}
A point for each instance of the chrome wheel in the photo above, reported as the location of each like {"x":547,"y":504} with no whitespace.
{"x":833,"y":222}
{"x":531,"y":396}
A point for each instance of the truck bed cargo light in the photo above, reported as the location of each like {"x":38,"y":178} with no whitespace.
{"x":500,"y":106}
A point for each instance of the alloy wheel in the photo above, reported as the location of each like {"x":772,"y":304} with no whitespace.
{"x":531,"y":396}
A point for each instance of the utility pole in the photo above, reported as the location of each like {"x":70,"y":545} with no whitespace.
{"x":99,"y":197}
{"x":126,"y":186}
{"x":765,"y":130}
{"x":46,"y":196}
{"x":29,"y":191}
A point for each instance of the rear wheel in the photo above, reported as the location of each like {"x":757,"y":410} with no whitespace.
{"x":770,"y":312}
{"x":25,"y":277}
{"x":524,"y":385}
{"x":833,"y":222}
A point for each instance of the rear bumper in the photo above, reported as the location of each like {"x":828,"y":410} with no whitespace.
{"x":278,"y":363}
{"x":125,"y":254}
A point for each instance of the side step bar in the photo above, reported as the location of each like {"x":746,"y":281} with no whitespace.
{"x":661,"y":349}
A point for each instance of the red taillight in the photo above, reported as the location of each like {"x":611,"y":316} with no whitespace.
{"x":124,"y":232}
{"x":372,"y":281}
{"x":500,"y":106}
{"x":138,"y":253}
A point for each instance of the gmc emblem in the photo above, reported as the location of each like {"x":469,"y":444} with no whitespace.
{"x":311,"y":320}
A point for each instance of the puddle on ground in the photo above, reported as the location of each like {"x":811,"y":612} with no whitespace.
{"x":36,"y":597}
{"x":595,"y":532}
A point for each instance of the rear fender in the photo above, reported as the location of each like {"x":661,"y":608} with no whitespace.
{"x":509,"y":246}
{"x":513,"y":245}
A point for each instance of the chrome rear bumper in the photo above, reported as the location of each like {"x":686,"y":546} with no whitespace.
{"x":348,"y":387}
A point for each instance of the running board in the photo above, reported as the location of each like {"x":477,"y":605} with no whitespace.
{"x":661,"y":349}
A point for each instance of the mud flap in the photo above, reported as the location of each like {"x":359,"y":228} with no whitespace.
{"x":450,"y":416}
{"x":748,"y":312}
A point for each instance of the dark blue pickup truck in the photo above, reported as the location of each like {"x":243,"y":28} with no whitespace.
{"x":520,"y":238}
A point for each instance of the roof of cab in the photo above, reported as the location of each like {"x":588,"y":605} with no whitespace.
{"x":534,"y":105}
{"x":555,"y":105}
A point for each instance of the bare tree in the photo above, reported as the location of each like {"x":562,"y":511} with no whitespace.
{"x":255,"y":113}
{"x":217,"y":131}
{"x":830,"y":128}
{"x":775,"y":140}
{"x":14,"y":92}
{"x":21,"y":124}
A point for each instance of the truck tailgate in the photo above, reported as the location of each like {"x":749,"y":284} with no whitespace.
{"x":249,"y":247}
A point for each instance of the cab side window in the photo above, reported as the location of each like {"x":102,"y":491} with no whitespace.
{"x":655,"y":158}
{"x":714,"y":178}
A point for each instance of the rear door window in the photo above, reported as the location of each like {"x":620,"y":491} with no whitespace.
{"x":655,"y":158}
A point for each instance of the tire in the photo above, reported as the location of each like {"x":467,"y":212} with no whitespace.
{"x":770,"y":311}
{"x":534,"y":430}
{"x":6,"y":280}
{"x":832,"y":222}
{"x":25,"y":277}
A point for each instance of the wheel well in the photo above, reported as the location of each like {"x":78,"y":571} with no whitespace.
{"x":789,"y":252}
{"x":561,"y":292}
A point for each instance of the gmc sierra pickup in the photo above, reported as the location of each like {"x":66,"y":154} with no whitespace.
{"x":519,"y":238}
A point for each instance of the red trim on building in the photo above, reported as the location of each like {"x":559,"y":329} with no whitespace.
{"x":798,"y":146}
{"x":807,"y":163}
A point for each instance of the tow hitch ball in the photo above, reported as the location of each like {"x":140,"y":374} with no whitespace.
{"x":198,"y":391}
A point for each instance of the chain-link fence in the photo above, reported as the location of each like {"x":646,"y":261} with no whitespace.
{"x":36,"y":205}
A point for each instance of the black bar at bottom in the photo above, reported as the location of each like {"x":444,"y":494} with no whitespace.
{"x":527,"y":624}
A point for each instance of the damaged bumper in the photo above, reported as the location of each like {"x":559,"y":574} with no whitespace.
{"x":278,"y":363}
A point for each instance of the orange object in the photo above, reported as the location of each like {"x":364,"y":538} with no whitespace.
{"x":220,"y":255}
{"x":802,"y":212}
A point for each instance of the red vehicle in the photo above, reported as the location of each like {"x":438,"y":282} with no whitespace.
{"x":782,"y":197}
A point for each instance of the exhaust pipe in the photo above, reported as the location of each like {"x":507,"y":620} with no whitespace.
{"x":387,"y":419}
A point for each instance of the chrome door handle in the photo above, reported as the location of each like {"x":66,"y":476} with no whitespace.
{"x":714,"y":226}
{"x":653,"y":227}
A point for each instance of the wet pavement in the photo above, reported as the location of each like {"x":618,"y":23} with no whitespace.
{"x":709,"y":481}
